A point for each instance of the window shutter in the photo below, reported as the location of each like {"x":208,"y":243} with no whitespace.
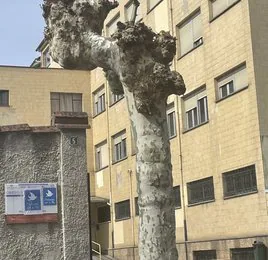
{"x":186,"y":38}
{"x":240,"y":78}
{"x":197,"y":27}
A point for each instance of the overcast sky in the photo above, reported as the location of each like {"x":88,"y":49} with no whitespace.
{"x":21,"y":31}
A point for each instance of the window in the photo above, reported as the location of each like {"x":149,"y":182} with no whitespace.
{"x":129,"y":8}
{"x":242,"y":253}
{"x":4,"y":98}
{"x":240,"y":181}
{"x":232,"y":82}
{"x":219,"y":6}
{"x":205,"y":255}
{"x":46,"y":58}
{"x":99,"y":100}
{"x":177,"y":195}
{"x":120,"y":146}
{"x":137,"y":211}
{"x":153,"y":3}
{"x":190,"y":34}
{"x":115,"y":98}
{"x":101,"y":155}
{"x":200,"y":191}
{"x":104,"y":214}
{"x":122,"y":210}
{"x":171,"y":120}
{"x":66,"y":102}
{"x":196,"y":109}
{"x":111,"y":27}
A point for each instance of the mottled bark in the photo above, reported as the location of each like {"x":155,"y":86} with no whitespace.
{"x":136,"y":61}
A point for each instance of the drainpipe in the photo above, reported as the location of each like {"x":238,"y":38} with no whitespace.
{"x":89,"y":213}
{"x":171,"y":25}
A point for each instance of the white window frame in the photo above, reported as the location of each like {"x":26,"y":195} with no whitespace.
{"x":225,"y":5}
{"x":99,"y":101}
{"x":234,"y":80}
{"x":171,"y":120}
{"x":194,"y":40}
{"x":195,"y":109}
{"x":119,"y":146}
{"x":101,"y":155}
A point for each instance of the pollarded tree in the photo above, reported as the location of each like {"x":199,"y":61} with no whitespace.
{"x":136,"y":62}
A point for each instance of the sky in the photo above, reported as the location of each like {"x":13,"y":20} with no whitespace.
{"x":21,"y":31}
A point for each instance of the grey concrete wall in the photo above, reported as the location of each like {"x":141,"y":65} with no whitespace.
{"x":29,"y":157}
{"x":34,"y":157}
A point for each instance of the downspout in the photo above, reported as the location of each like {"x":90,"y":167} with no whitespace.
{"x":179,"y":143}
{"x":109,"y":166}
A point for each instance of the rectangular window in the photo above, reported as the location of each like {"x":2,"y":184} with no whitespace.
{"x":66,"y":102}
{"x":231,"y":82}
{"x":120,"y":146}
{"x":242,"y":253}
{"x":104,"y":214}
{"x":4,"y":98}
{"x":177,"y":195}
{"x":190,"y":34}
{"x":196,"y":109}
{"x":129,"y":9}
{"x":171,"y":120}
{"x":137,"y":212}
{"x":219,"y":6}
{"x":115,"y":98}
{"x":200,"y":191}
{"x":99,"y":100}
{"x":205,"y":255}
{"x":111,"y":27}
{"x":152,"y":3}
{"x":240,"y":181}
{"x":101,"y":155}
{"x":122,"y":210}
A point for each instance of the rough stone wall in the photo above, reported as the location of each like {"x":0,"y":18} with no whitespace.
{"x":29,"y":157}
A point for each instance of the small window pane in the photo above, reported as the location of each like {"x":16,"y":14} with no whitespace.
{"x":122,"y":210}
{"x":104,"y":214}
{"x":202,"y":105}
{"x":177,"y":195}
{"x":4,"y":97}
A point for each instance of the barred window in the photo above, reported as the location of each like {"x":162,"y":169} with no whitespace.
{"x":104,"y":214}
{"x":205,"y":255}
{"x":122,"y":210}
{"x":240,"y":181}
{"x":242,"y":253}
{"x":200,"y":191}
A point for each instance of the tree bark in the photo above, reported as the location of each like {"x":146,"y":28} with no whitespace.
{"x":136,"y":62}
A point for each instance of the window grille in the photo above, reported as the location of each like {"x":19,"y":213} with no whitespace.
{"x":200,"y":191}
{"x":240,"y":181}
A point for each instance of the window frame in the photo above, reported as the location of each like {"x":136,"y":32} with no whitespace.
{"x":119,"y":146}
{"x":201,"y":254}
{"x":115,"y":98}
{"x":240,"y":173}
{"x":177,"y":191}
{"x":3,"y":92}
{"x":171,"y":117}
{"x":241,"y":251}
{"x":122,"y":216}
{"x":212,"y":17}
{"x":230,"y":77}
{"x":108,"y":219}
{"x":150,"y":8}
{"x":195,"y":111}
{"x":99,"y":100}
{"x":193,"y":185}
{"x":196,"y":42}
{"x":98,"y":155}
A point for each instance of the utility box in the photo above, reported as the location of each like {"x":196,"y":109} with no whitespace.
{"x":259,"y":250}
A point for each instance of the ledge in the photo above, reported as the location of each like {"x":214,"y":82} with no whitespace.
{"x":200,"y":203}
{"x":111,"y":105}
{"x":122,"y":219}
{"x":191,"y":50}
{"x":235,"y":92}
{"x":115,"y":162}
{"x":240,"y":195}
{"x":188,"y":130}
{"x":27,"y":128}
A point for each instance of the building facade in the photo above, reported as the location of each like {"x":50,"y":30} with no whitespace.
{"x":218,"y":130}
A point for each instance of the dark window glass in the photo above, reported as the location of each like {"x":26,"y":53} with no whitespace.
{"x":177,"y":195}
{"x":205,"y":255}
{"x":122,"y":210}
{"x":240,"y":181}
{"x":242,"y":254}
{"x":202,"y":105}
{"x":4,"y":97}
{"x":137,"y":212}
{"x":104,"y":214}
{"x":201,"y":190}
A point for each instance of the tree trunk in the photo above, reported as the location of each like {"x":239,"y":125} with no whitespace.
{"x":154,"y":183}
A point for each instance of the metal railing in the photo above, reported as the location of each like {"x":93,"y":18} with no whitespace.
{"x":98,"y":250}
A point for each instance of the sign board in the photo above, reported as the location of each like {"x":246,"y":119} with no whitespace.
{"x":31,"y":199}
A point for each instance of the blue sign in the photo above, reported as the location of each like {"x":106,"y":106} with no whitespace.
{"x":32,"y":200}
{"x":49,"y":196}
